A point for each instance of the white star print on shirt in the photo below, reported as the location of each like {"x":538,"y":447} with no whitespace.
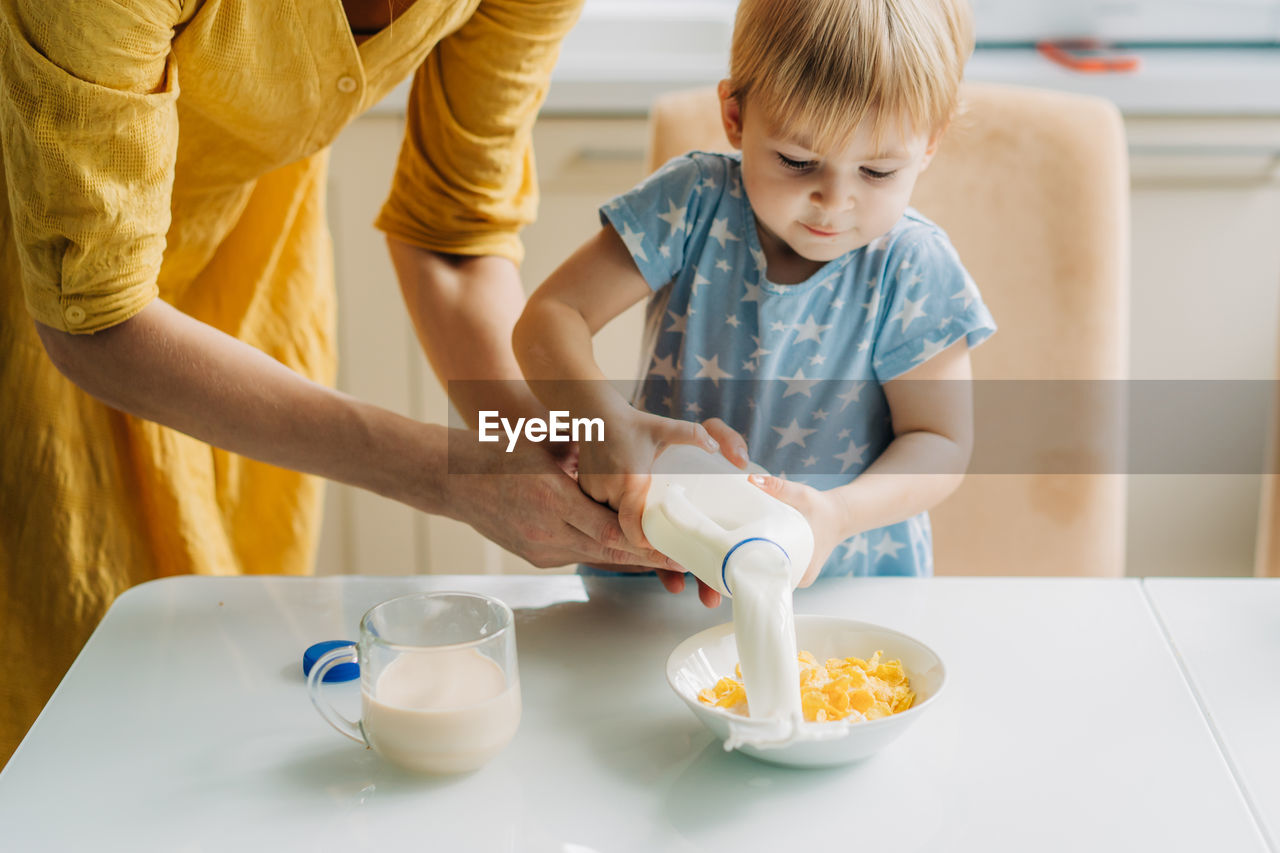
{"x":710,"y":369}
{"x":856,"y":545}
{"x":755,"y":292}
{"x":732,"y":320}
{"x":798,"y":384}
{"x":911,"y":310}
{"x":634,"y":242}
{"x":930,"y":349}
{"x":889,"y":546}
{"x":810,"y":331}
{"x":720,"y":231}
{"x":674,"y":215}
{"x":851,"y":456}
{"x":664,"y":368}
{"x":723,"y":265}
{"x":792,"y":434}
{"x":851,"y":396}
{"x":967,"y":295}
{"x":679,"y":322}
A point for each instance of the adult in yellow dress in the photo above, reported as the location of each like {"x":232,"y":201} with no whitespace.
{"x":168,"y":308}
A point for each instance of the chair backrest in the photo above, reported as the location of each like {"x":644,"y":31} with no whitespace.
{"x":1266,"y":560}
{"x":1032,"y":188}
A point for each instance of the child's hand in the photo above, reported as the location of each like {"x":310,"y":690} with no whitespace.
{"x":616,"y":471}
{"x":732,"y":445}
{"x":821,"y":508}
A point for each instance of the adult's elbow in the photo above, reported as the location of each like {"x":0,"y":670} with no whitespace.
{"x":86,"y":360}
{"x":63,"y":349}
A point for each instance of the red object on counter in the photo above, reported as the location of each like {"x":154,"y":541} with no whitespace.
{"x":1088,"y":55}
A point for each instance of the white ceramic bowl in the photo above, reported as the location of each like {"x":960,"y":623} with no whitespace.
{"x":702,"y":659}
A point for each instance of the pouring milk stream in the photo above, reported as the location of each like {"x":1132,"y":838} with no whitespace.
{"x":706,"y":515}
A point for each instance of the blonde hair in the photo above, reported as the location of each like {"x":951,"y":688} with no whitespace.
{"x":824,"y":66}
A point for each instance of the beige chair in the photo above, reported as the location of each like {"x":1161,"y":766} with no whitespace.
{"x":1032,"y":187}
{"x":1266,"y":561}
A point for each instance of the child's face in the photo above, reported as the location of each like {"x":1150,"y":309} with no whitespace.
{"x":813,"y":206}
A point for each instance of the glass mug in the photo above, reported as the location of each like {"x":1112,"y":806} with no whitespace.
{"x":440,"y":692}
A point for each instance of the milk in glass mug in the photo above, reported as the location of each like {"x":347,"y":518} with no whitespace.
{"x":439,"y":687}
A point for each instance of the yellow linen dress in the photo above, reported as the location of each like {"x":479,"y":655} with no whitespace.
{"x":178,"y":149}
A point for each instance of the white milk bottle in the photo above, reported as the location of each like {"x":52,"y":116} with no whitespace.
{"x":706,"y":515}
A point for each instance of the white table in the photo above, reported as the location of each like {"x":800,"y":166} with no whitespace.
{"x":1067,"y":725}
{"x":1227,"y":635}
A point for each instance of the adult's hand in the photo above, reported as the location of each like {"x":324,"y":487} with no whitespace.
{"x":673,"y":581}
{"x":527,"y":503}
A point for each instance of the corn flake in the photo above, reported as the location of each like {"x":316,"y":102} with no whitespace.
{"x":837,"y":689}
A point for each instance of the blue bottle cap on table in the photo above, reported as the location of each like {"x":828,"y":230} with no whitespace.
{"x":338,"y":672}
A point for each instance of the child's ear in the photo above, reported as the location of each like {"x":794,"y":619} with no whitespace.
{"x":931,"y":148}
{"x":730,"y":114}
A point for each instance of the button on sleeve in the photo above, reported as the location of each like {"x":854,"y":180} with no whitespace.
{"x":88,"y":124}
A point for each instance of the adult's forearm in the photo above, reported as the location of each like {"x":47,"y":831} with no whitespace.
{"x":463,"y":310}
{"x":166,"y":367}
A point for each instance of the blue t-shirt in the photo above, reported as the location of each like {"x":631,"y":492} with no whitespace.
{"x":797,"y":368}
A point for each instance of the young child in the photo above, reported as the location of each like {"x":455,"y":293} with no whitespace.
{"x":797,"y":261}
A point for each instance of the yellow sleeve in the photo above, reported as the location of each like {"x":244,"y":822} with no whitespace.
{"x":465,"y":181}
{"x":88,"y":136}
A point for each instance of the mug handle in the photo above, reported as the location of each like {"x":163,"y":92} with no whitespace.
{"x":342,"y":654}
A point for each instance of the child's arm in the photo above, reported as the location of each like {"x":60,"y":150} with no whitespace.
{"x":552,"y":338}
{"x":552,"y":342}
{"x":925,"y":462}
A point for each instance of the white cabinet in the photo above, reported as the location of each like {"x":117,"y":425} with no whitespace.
{"x":1206,"y":300}
{"x":1206,"y":270}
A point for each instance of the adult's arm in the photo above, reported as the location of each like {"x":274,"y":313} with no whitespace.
{"x":463,"y":310}
{"x":465,"y":185}
{"x":167,"y":367}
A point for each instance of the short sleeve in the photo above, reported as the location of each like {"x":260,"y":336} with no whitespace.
{"x":928,"y":303}
{"x":89,"y":132}
{"x":465,"y":181}
{"x":655,"y":219}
